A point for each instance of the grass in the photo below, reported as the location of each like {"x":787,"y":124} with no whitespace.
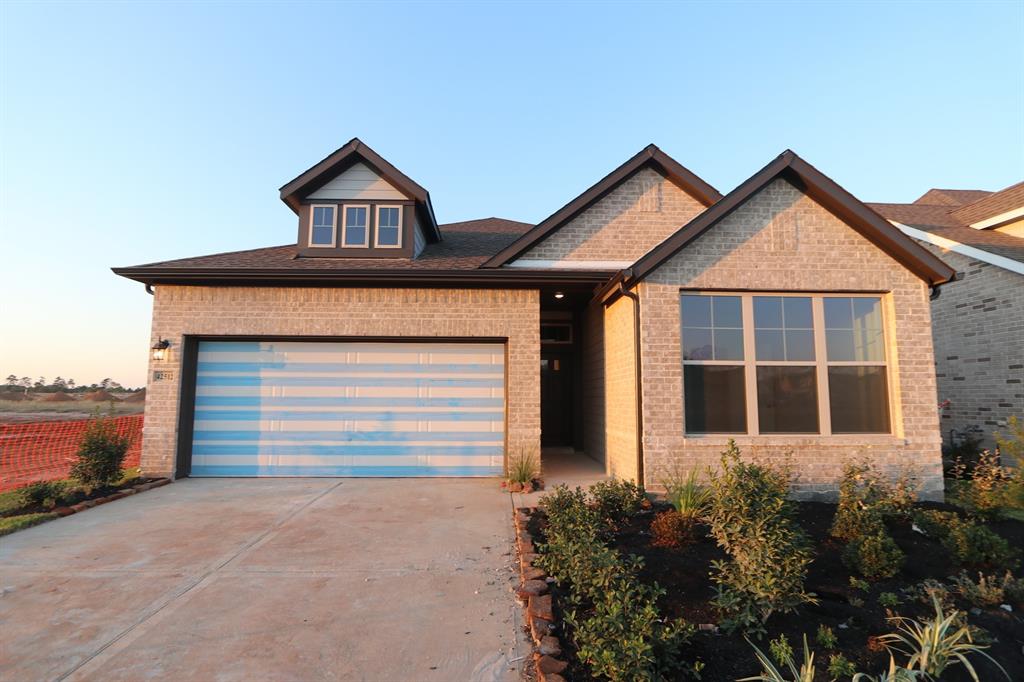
{"x":78,"y":406}
{"x":10,"y":524}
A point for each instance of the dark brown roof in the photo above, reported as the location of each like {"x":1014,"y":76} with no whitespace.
{"x":465,"y":246}
{"x":649,"y":156}
{"x":951,"y":197}
{"x":345,"y":156}
{"x":942,"y":222}
{"x":988,"y":207}
{"x":818,"y":186}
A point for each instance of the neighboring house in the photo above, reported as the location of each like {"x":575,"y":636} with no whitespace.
{"x":978,"y":321}
{"x":647,"y":322}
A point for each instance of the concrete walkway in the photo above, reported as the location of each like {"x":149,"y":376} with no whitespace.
{"x":268,"y":579}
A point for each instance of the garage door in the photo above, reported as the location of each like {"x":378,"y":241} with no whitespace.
{"x":270,"y":408}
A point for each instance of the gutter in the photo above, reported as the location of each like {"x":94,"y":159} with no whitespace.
{"x":638,"y":373}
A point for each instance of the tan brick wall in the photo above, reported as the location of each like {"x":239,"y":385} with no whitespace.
{"x":624,"y":225}
{"x":620,"y":390}
{"x":978,"y":331}
{"x":781,"y":240}
{"x":273,"y":311}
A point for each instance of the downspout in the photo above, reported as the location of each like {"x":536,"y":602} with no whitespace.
{"x":638,"y":372}
{"x":149,"y":289}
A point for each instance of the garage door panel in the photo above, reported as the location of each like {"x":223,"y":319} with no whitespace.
{"x":349,"y":409}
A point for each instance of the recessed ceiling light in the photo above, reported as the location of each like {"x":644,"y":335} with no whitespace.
{"x":559,"y":294}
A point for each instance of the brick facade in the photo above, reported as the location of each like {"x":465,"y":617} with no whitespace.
{"x":978,"y":331}
{"x":624,"y":225}
{"x":781,"y":240}
{"x":282,"y":311}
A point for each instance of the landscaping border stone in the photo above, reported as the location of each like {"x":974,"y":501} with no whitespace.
{"x":120,"y":494}
{"x":533,"y":592}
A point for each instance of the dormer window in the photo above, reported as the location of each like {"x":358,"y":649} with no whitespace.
{"x":355,"y":226}
{"x":389,"y":227}
{"x":323,"y":226}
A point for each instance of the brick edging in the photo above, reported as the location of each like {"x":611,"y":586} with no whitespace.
{"x":534,"y":593}
{"x":124,"y":492}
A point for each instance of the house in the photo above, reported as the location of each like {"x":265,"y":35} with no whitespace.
{"x":978,"y":321}
{"x":646,"y":323}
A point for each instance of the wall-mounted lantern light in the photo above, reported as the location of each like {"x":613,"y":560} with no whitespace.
{"x":160,"y":349}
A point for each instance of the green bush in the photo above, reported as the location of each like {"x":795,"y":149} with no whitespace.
{"x":990,"y":590}
{"x":968,"y":543}
{"x":45,"y":493}
{"x":613,"y":616}
{"x":874,"y":556}
{"x":617,"y":500}
{"x":751,"y":519}
{"x":987,"y":488}
{"x":840,"y":666}
{"x":866,"y":500}
{"x":781,"y":650}
{"x":100,"y":454}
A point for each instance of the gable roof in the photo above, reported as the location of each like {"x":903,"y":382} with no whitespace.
{"x":822,"y":189}
{"x":992,"y":205}
{"x":352,"y":152}
{"x":951,"y":197}
{"x":649,"y":156}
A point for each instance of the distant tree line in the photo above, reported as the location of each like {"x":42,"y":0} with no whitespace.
{"x":40,"y":385}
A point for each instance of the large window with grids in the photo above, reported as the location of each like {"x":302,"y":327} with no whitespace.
{"x":784,"y":363}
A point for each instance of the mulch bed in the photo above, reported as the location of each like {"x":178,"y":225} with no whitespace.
{"x":80,"y":500}
{"x":683,"y":572}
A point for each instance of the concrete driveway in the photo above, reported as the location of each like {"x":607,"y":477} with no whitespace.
{"x":268,"y":579}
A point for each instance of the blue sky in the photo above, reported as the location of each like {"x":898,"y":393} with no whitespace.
{"x":137,"y":132}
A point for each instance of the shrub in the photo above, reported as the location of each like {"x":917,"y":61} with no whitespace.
{"x":888,"y":600}
{"x":752,"y":520}
{"x":522,"y":468}
{"x":866,"y":500}
{"x":781,"y":650}
{"x":874,"y":556}
{"x":985,"y":490}
{"x":840,"y":666}
{"x":769,"y":673}
{"x":826,"y":637}
{"x":100,"y":454}
{"x":671,"y":529}
{"x":613,"y":615}
{"x":684,"y":493}
{"x":45,"y":493}
{"x":616,"y":500}
{"x":967,"y":543}
{"x":989,"y":590}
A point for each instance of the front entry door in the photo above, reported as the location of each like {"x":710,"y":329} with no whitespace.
{"x":556,"y":399}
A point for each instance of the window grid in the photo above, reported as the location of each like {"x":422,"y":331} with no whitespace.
{"x":366,"y":226}
{"x":397,"y":226}
{"x":313,"y":225}
{"x":821,"y":362}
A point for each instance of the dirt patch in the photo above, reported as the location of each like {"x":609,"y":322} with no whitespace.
{"x":58,"y":397}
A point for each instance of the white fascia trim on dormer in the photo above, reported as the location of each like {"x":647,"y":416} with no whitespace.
{"x":962,"y":249}
{"x":570,"y":264}
{"x":995,"y":220}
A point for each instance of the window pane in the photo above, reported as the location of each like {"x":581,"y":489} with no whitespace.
{"x":839,"y":344}
{"x":355,"y":225}
{"x":799,"y":344}
{"x":728,"y":344}
{"x":838,"y":313}
{"x":859,"y":399}
{"x":714,"y":399}
{"x":322,"y":235}
{"x":867,"y":313}
{"x":355,"y":235}
{"x":323,"y":216}
{"x":388,"y":217}
{"x":797,"y":312}
{"x":728,"y":312}
{"x":768,"y":312}
{"x":387,"y":236}
{"x":787,"y":399}
{"x":697,"y":344}
{"x":696,"y":311}
{"x":770,"y":345}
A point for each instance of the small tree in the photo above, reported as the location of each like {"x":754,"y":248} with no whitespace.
{"x":100,"y":454}
{"x":12,"y":379}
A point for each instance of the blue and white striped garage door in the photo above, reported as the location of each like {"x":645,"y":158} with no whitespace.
{"x":271,"y":408}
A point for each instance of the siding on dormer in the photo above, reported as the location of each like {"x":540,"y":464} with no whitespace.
{"x":358,"y":182}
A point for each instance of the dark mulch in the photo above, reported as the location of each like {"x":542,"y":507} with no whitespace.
{"x":684,"y":573}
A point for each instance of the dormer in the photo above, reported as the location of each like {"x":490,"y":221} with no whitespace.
{"x":354,"y":204}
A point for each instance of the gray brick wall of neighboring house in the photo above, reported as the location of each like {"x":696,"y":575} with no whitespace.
{"x":978,"y":331}
{"x":625,"y":224}
{"x":781,"y":240}
{"x":286,"y":311}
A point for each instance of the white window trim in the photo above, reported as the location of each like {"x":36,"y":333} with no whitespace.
{"x":344,"y":224}
{"x":334,"y":226}
{"x":750,"y":363}
{"x":376,"y":227}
